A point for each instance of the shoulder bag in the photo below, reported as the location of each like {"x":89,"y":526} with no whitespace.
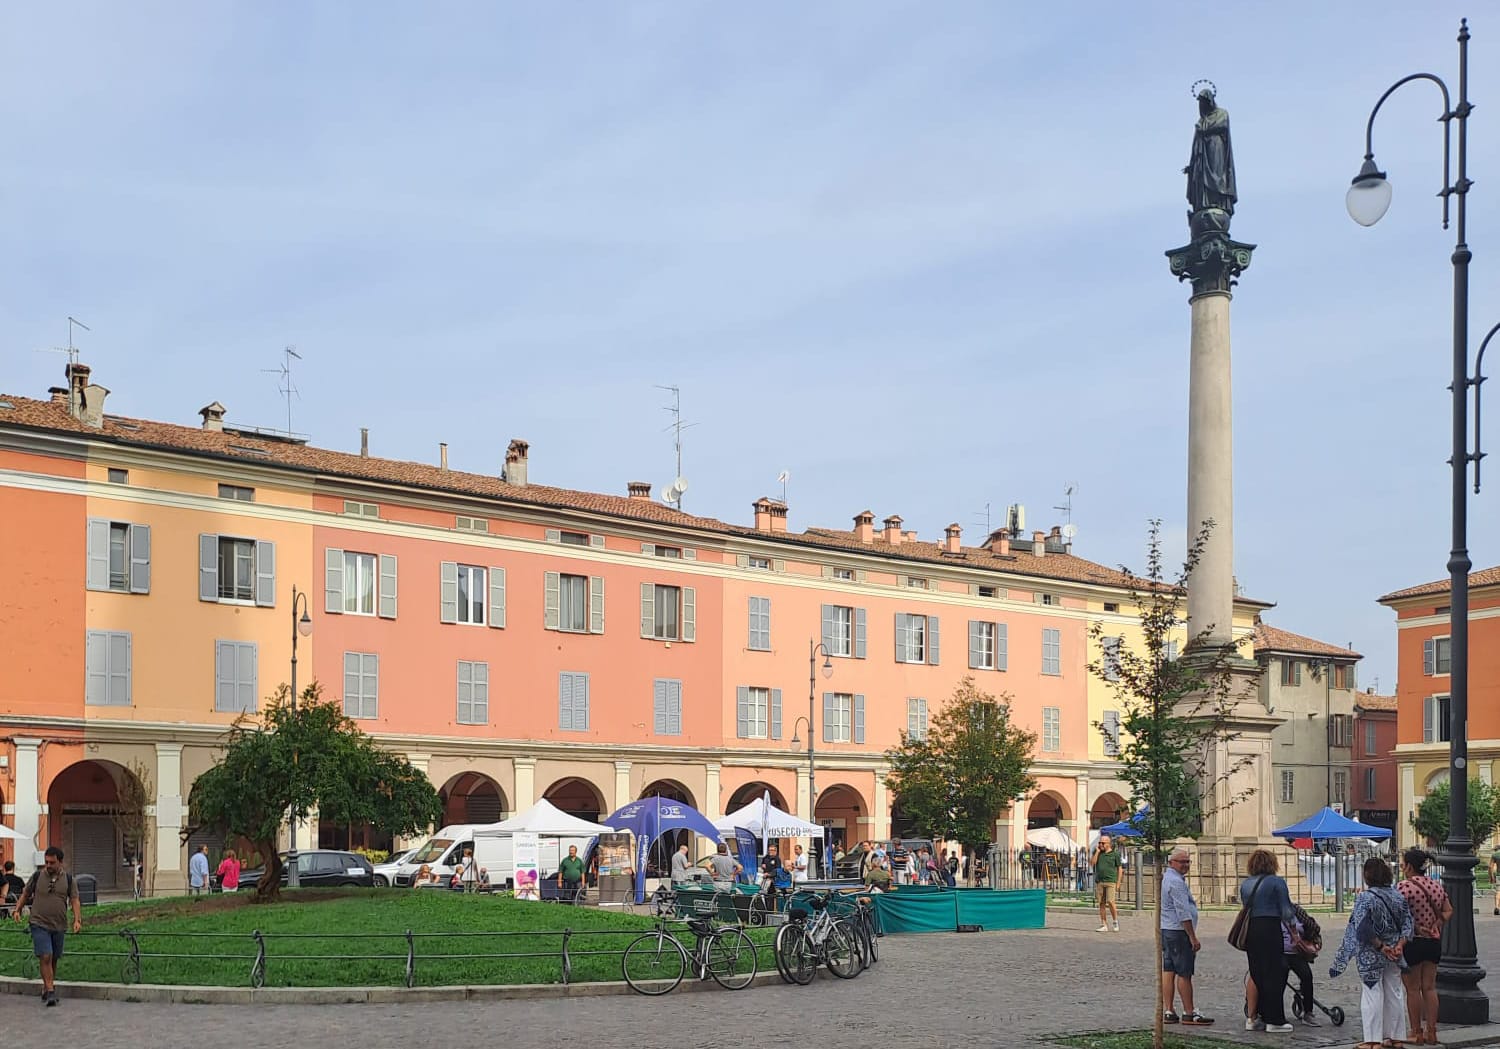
{"x":1239,"y":932}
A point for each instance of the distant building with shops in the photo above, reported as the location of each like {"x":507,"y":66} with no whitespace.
{"x":1374,"y":773}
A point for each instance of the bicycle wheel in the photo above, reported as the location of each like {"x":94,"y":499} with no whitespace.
{"x":840,"y":953}
{"x":654,"y":963}
{"x":778,"y":945}
{"x":796,"y":957}
{"x":867,"y":925}
{"x":731,"y":958}
{"x":757,"y":910}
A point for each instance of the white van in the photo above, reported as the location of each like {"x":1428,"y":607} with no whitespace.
{"x":495,"y":854}
{"x":443,"y":852}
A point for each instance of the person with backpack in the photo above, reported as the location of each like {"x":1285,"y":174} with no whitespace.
{"x":1379,"y":927}
{"x":1430,"y":911}
{"x":50,"y":893}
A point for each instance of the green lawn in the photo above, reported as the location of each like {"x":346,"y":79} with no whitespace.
{"x":1136,"y":1040}
{"x":209,"y":941}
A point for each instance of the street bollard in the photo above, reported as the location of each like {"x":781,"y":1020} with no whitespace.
{"x":1338,"y":882}
{"x":1139,"y":882}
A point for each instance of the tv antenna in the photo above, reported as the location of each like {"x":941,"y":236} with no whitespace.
{"x":673,"y":494}
{"x":69,"y":349}
{"x":782,"y":478}
{"x":285,"y":385}
{"x":1067,"y":504}
{"x":986,"y":516}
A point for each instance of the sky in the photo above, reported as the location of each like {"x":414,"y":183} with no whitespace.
{"x":911,"y":253}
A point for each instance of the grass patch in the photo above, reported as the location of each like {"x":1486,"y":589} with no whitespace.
{"x":343,"y":937}
{"x":1136,"y":1040}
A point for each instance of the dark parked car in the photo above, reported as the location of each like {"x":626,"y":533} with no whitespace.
{"x":320,"y":868}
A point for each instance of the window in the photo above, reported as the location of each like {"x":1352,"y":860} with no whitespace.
{"x":1343,"y":676}
{"x":463,"y":598}
{"x":107,"y":668}
{"x":471,"y":524}
{"x":118,"y":557}
{"x":1340,"y":730}
{"x":473,"y":693}
{"x":760,"y":624}
{"x":1110,"y":729}
{"x":1110,"y":658}
{"x":1435,"y":720}
{"x":237,"y":493}
{"x":843,"y":718}
{"x":666,"y":704}
{"x":361,"y":684}
{"x":573,"y":603}
{"x":1052,"y":729}
{"x":669,"y":613}
{"x":233,"y":569}
{"x":1111,"y":606}
{"x":1340,"y":787}
{"x":667,"y":551}
{"x":916,"y":719}
{"x":357,"y":509}
{"x":982,"y":645}
{"x":1437,"y":655}
{"x":119,"y":476}
{"x":1052,"y":651}
{"x":757,"y":712}
{"x":1370,"y":783}
{"x":915,"y":583}
{"x":1288,"y":785}
{"x":846,"y":574}
{"x":1170,"y":652}
{"x":1048,"y":599}
{"x":573,"y":538}
{"x":573,"y":702}
{"x":917,"y":639}
{"x":844,"y":631}
{"x":988,"y":591}
{"x":1291,"y":672}
{"x":1369,"y":737}
{"x":359,"y":584}
{"x":761,"y":563}
{"x":235,"y":677}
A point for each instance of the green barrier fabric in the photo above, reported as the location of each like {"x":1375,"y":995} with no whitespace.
{"x":915,"y":889}
{"x":944,"y":911}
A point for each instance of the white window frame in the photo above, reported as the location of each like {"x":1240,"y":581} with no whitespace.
{"x":468,"y":575}
{"x":478,"y":680}
{"x":237,"y":493}
{"x":659,"y":624}
{"x":843,"y":724}
{"x":567,"y":537}
{"x":1051,"y":730}
{"x":1340,"y":787}
{"x":757,"y":712}
{"x":567,"y":582}
{"x":1441,"y":644}
{"x":760,"y":564}
{"x":844,"y":574}
{"x":841,"y":637}
{"x":1288,"y":786}
{"x":1371,"y":738}
{"x":357,"y":567}
{"x":1052,"y":640}
{"x":916,"y":639}
{"x":986,"y":635}
{"x":233,"y":595}
{"x":758,"y":625}
{"x":916,"y":718}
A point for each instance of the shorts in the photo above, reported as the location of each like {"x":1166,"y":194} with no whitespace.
{"x":1177,"y":954}
{"x":1105,"y":891}
{"x":1422,"y":949}
{"x":47,"y":941}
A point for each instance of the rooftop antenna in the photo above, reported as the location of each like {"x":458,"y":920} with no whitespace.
{"x":986,"y":515}
{"x":285,"y":385}
{"x":783,"y":478}
{"x":69,"y":349}
{"x":1067,"y":504}
{"x":673,"y":494}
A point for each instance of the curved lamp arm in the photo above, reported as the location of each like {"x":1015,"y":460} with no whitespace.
{"x":1370,"y":173}
{"x":1478,"y":383}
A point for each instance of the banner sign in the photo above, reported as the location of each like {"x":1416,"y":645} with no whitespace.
{"x":614,"y":853}
{"x":527,"y":849}
{"x":746,"y":852}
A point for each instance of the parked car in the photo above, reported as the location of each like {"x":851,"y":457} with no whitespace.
{"x":385,"y":873}
{"x":320,"y":868}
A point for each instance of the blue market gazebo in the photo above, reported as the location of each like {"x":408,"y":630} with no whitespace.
{"x":1126,"y":828}
{"x":650,"y":818}
{"x":1327,"y":824}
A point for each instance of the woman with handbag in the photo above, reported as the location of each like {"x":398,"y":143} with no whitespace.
{"x":1379,"y":927}
{"x":1265,"y":911}
{"x":1430,"y":911}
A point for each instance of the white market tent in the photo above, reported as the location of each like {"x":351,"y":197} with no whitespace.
{"x":543,"y":818}
{"x":1050,"y":838}
{"x":765,"y":820}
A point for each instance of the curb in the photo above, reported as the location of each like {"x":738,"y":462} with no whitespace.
{"x":179,"y":994}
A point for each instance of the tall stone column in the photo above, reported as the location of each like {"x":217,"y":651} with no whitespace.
{"x":28,"y":805}
{"x":168,"y":845}
{"x":623,"y":794}
{"x":712,"y":807}
{"x":525,"y":770}
{"x":1210,"y":489}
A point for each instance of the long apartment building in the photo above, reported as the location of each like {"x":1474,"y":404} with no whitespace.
{"x":514,"y":640}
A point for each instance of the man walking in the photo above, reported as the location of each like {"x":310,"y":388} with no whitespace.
{"x":1106,"y":864}
{"x":198,"y":872}
{"x":50,"y":893}
{"x":1179,"y":941}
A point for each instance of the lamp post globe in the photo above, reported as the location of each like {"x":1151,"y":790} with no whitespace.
{"x":1369,"y":195}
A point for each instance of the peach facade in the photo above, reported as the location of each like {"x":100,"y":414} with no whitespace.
{"x":514,"y":641}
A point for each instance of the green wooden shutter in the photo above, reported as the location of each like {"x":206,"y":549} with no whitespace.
{"x":976,"y":645}
{"x":827,"y":628}
{"x":903,"y":637}
{"x":96,"y":668}
{"x":1002,"y":647}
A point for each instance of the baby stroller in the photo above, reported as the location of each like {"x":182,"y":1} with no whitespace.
{"x":1312,"y":943}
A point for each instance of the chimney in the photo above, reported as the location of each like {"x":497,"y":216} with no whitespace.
{"x":1038,"y":544}
{"x":515,"y":463}
{"x":770,"y":514}
{"x":364,"y":442}
{"x":640,"y":490}
{"x":893,"y":530}
{"x":864,"y":526}
{"x":443,"y":455}
{"x":85,"y":401}
{"x":213,"y":416}
{"x":998,"y":542}
{"x":59,"y":394}
{"x":951,"y":543}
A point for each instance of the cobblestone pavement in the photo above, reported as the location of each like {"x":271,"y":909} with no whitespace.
{"x":984,"y":989}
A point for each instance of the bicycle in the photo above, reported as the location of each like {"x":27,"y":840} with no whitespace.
{"x":859,"y":912}
{"x":813,"y":935}
{"x":655,"y":962}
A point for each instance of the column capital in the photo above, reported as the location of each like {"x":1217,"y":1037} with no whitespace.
{"x":712,"y":766}
{"x":1213,"y":262}
{"x":622,"y":766}
{"x":26,"y":742}
{"x":523,"y":763}
{"x":169,"y":748}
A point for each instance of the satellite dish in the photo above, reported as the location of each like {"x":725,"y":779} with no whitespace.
{"x":1069,"y":530}
{"x":673,"y":495}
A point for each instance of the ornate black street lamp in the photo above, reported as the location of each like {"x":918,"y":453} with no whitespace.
{"x":300,"y":628}
{"x":1460,"y":999}
{"x":814,"y":649}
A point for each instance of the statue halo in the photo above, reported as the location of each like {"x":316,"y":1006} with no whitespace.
{"x":1211,"y":91}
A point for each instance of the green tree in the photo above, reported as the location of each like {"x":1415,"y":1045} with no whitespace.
{"x":1173,"y":715}
{"x":1431,"y":818}
{"x":972,"y":762}
{"x":293,"y":760}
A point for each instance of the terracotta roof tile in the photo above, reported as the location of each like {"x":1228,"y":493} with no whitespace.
{"x":1483,"y":577}
{"x":1370,"y":701}
{"x":235,"y":445}
{"x":1271,"y":639}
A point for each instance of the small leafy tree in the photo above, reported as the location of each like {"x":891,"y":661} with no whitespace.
{"x":1431,"y":818}
{"x":972,"y":762}
{"x":296,"y":759}
{"x":1173,"y":713}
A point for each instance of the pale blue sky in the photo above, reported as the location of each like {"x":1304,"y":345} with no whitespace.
{"x":910,"y":252}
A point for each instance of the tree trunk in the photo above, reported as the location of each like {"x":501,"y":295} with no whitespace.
{"x":268,"y":889}
{"x":1158,"y":1029}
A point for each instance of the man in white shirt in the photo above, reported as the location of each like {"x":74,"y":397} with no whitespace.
{"x":799,"y":865}
{"x":1179,"y":941}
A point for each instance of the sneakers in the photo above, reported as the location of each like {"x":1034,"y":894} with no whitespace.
{"x":1117,"y":927}
{"x":1279,"y":1028}
{"x":1102,"y":928}
{"x":50,"y":998}
{"x":1254,"y":1024}
{"x":1310,"y":1021}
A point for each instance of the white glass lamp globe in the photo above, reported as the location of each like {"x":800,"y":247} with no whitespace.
{"x":1369,"y":195}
